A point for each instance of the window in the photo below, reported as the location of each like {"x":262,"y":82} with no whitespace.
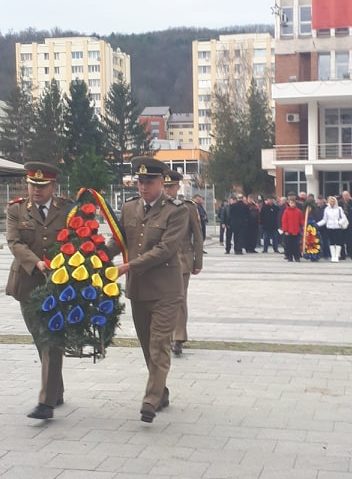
{"x":238,"y":69}
{"x":78,"y":55}
{"x":46,"y":70}
{"x":204,"y":69}
{"x":305,"y":20}
{"x":27,"y":71}
{"x":205,"y":98}
{"x":95,"y":82}
{"x":26,"y":57}
{"x":324,"y":66}
{"x":93,"y":68}
{"x":77,"y":69}
{"x":204,"y":141}
{"x":341,"y":32}
{"x":204,"y":83}
{"x":259,"y":69}
{"x":204,"y":127}
{"x":56,"y":56}
{"x":95,"y":96}
{"x":97,"y":110}
{"x":204,"y":113}
{"x":57,"y":70}
{"x":46,"y":56}
{"x":94,"y":55}
{"x":203,"y":55}
{"x":287,"y":21}
{"x":342,"y":65}
{"x":295,"y":181}
{"x":259,"y":52}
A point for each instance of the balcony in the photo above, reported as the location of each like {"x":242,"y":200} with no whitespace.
{"x":319,"y":91}
{"x":324,"y":155}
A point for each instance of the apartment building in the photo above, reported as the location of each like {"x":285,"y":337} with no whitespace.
{"x":70,"y":58}
{"x":155,"y":119}
{"x":180,"y":128}
{"x":229,"y":62}
{"x":313,"y":97}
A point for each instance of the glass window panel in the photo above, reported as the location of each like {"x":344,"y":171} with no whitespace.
{"x":324,"y":66}
{"x":291,"y":176}
{"x":332,"y":189}
{"x":332,"y":116}
{"x":346,"y":116}
{"x":332,"y":176}
{"x":287,"y":25}
{"x":302,"y":176}
{"x":306,"y":14}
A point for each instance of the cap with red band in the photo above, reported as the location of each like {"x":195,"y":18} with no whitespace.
{"x":39,"y":173}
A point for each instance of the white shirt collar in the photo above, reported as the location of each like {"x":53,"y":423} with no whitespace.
{"x":152,"y":203}
{"x":47,"y":205}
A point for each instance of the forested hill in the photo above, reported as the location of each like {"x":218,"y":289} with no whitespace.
{"x":161,"y":61}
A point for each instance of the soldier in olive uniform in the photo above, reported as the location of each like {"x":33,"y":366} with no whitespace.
{"x":32,"y":227}
{"x":191,"y":256}
{"x":155,"y":226}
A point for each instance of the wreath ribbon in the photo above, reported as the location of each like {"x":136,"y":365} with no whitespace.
{"x":114,"y":225}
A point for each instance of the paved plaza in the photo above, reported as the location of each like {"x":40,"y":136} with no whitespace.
{"x":233,"y":414}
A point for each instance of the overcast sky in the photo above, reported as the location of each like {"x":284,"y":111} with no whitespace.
{"x":131,"y":16}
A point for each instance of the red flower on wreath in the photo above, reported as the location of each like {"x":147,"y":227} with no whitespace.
{"x":103,"y":256}
{"x":63,"y":235}
{"x":92,"y":224}
{"x":76,"y":222}
{"x":87,"y":247}
{"x":68,"y":248}
{"x":88,"y":208}
{"x":98,"y":239}
{"x":84,"y":232}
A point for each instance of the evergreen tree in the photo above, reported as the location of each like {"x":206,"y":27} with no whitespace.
{"x":124,"y":133}
{"x":15,"y":125}
{"x":48,"y":135}
{"x":242,"y":129}
{"x":82,"y":127}
{"x":90,"y":171}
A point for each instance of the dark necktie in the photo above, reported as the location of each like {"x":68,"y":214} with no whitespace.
{"x":41,"y":209}
{"x":147,"y":208}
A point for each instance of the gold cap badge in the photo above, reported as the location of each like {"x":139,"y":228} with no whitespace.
{"x":38,"y":174}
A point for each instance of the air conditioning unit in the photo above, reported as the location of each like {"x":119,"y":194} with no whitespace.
{"x":292,"y":117}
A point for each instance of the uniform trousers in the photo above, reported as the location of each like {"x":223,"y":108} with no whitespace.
{"x":52,"y":387}
{"x":155,"y":322}
{"x":180,"y":333}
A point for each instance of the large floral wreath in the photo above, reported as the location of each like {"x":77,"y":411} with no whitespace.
{"x":79,"y":305}
{"x":312,"y":241}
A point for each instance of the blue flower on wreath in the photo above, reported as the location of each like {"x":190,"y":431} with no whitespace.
{"x":56,"y":322}
{"x":98,"y":320}
{"x":106,"y":307}
{"x":49,"y":304}
{"x":89,"y":293}
{"x":68,"y":294}
{"x":76,"y":315}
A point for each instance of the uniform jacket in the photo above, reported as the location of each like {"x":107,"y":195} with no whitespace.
{"x":292,"y":220}
{"x":191,"y":252}
{"x":153,"y":240}
{"x":29,"y":238}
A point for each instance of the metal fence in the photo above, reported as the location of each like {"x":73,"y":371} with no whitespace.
{"x":114,"y":195}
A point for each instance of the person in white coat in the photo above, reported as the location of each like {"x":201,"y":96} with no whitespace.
{"x":334,"y":219}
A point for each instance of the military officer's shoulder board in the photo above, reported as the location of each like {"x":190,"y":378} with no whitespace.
{"x":16,"y":201}
{"x":175,"y":201}
{"x":132,"y":198}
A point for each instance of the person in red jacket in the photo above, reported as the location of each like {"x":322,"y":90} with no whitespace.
{"x":292,"y":222}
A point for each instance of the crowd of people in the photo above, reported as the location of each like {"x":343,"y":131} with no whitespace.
{"x":302,"y":225}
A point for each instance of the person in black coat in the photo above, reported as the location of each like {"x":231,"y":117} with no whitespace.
{"x":239,"y":217}
{"x":253,"y":225}
{"x":269,"y":216}
{"x":225,"y":223}
{"x":346,"y":205}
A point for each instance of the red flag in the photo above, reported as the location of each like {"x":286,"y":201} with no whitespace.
{"x":331,"y":14}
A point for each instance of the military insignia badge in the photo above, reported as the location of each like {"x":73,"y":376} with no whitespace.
{"x":39,"y":174}
{"x":142,"y":170}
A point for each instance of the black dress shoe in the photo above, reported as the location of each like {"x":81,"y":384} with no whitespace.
{"x":59,"y":402}
{"x":147,"y":412}
{"x":164,"y":400}
{"x":42,"y":411}
{"x":176,"y":348}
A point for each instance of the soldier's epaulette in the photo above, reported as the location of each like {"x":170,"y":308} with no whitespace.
{"x":16,"y":200}
{"x":175,"y":201}
{"x":132,"y":198}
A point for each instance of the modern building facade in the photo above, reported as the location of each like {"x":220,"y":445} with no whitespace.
{"x":313,"y":97}
{"x":229,"y":62}
{"x":70,"y":58}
